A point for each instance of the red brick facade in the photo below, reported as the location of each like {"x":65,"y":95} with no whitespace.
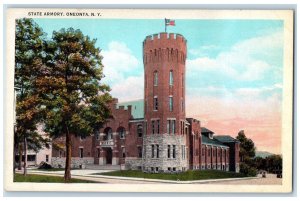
{"x":126,"y":139}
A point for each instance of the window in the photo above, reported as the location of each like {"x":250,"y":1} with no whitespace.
{"x":171,"y":78}
{"x":80,"y":152}
{"x":169,"y":151}
{"x":140,"y":130}
{"x":214,"y":152}
{"x":174,"y":169}
{"x":155,"y":76}
{"x":82,"y":137}
{"x":209,"y":152}
{"x":47,"y":158}
{"x":107,"y":134}
{"x":203,"y":151}
{"x":171,"y":103}
{"x":123,"y":152}
{"x":171,"y":127}
{"x":157,"y":126}
{"x":121,"y":132}
{"x":156,"y":169}
{"x":182,"y":105}
{"x":174,"y":151}
{"x":153,"y":126}
{"x":157,"y":151}
{"x":155,"y":103}
{"x":152,"y":151}
{"x":140,"y":152}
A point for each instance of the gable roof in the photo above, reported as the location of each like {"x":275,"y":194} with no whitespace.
{"x":137,"y":108}
{"x":206,"y":140}
{"x":205,"y":130}
{"x":225,"y":138}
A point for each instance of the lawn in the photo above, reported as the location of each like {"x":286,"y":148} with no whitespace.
{"x":184,"y":176}
{"x":45,"y":179}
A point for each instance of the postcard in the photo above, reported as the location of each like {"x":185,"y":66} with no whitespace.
{"x":149,"y":100}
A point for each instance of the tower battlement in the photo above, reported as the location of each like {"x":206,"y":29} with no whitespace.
{"x":164,"y":36}
{"x":164,"y":47}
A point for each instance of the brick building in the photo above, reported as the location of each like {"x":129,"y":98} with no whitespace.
{"x":153,"y":134}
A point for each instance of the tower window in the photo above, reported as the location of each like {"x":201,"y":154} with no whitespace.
{"x":169,"y":151}
{"x":171,"y":81}
{"x":182,"y":105}
{"x":155,"y":103}
{"x":157,"y":151}
{"x":153,"y":126}
{"x":155,"y":76}
{"x":174,"y":151}
{"x":171,"y":103}
{"x":152,"y":151}
{"x":157,"y":126}
{"x":171,"y":126}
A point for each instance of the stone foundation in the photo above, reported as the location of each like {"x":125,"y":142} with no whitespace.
{"x":133,"y":163}
{"x":76,"y":162}
{"x":164,"y":163}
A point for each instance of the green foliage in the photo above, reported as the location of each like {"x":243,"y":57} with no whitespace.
{"x":271,"y":163}
{"x":45,"y":179}
{"x":248,"y":170}
{"x":247,"y":147}
{"x":70,"y":85}
{"x":247,"y":154}
{"x":184,"y":176}
{"x":28,"y":56}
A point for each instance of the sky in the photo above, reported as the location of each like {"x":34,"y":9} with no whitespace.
{"x":233,"y":69}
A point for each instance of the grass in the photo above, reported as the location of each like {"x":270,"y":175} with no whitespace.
{"x":45,"y":179}
{"x":184,"y":176}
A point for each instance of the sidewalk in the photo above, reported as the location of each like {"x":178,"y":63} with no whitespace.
{"x":91,"y":176}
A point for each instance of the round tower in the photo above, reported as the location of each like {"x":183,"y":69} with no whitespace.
{"x":164,"y":57}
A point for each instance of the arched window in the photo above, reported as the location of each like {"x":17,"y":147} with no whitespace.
{"x":108,"y":133}
{"x":171,"y":80}
{"x":121,"y":131}
{"x":155,"y":78}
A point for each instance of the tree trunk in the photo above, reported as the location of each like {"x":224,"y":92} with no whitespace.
{"x":15,"y":154}
{"x":25,"y":156}
{"x":20,"y":157}
{"x":67,"y":177}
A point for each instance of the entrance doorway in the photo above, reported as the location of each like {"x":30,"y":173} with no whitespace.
{"x":108,"y":156}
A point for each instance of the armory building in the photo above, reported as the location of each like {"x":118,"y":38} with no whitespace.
{"x":154,"y":134}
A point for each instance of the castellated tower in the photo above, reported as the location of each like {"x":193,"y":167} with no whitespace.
{"x":165,"y":139}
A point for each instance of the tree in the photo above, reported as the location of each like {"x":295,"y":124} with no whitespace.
{"x":247,"y":154}
{"x":75,"y":99}
{"x":28,"y":52}
{"x":247,"y":147}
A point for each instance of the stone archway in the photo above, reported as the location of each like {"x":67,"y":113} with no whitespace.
{"x":108,"y":156}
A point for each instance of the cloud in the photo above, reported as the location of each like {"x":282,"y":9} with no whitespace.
{"x":117,"y":61}
{"x":247,"y":60}
{"x":130,"y":88}
{"x":120,"y":67}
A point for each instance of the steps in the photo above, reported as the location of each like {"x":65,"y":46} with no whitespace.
{"x":102,"y":167}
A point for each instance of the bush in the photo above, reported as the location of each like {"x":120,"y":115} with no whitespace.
{"x":44,"y":165}
{"x":247,"y":170}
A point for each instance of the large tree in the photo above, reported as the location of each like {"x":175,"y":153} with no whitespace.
{"x":29,"y":41}
{"x":247,"y":154}
{"x":75,"y":99}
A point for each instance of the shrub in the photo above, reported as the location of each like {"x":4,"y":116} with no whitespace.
{"x":247,"y":170}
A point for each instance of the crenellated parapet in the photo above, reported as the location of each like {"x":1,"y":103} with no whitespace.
{"x":164,"y":47}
